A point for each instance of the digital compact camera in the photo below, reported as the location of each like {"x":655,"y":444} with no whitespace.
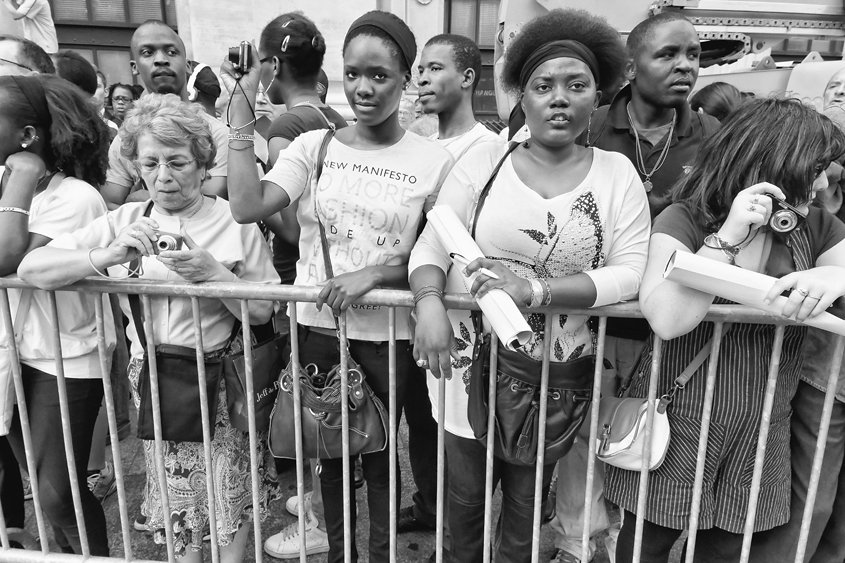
{"x":167,"y":241}
{"x":240,"y":57}
{"x":785,"y":218}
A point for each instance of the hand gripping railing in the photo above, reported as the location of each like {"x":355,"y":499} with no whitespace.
{"x":393,"y":300}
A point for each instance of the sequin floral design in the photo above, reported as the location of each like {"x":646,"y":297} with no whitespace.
{"x":564,"y":249}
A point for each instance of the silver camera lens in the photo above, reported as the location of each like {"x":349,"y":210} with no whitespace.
{"x":783,"y":221}
{"x":166,"y":242}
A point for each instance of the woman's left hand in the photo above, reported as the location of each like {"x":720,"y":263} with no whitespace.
{"x":341,"y":291}
{"x":812,"y":291}
{"x":194,"y":264}
{"x":515,"y":286}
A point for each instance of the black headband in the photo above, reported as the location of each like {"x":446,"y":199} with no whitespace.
{"x":33,"y":91}
{"x":557,"y":49}
{"x":400,"y":34}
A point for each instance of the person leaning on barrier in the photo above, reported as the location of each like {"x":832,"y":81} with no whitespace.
{"x":573,"y":219}
{"x":369,"y":232}
{"x":721,"y":209}
{"x":173,"y":149}
{"x":54,"y":149}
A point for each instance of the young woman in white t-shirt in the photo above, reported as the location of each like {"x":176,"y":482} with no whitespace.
{"x":562,"y":225}
{"x":376,"y":183}
{"x":54,"y":148}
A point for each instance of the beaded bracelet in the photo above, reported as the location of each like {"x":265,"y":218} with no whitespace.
{"x":241,"y":137}
{"x":537,"y":294}
{"x":427,"y":291}
{"x":14,"y":210}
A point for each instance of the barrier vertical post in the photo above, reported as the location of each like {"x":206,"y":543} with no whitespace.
{"x":297,"y":429}
{"x":393,"y":423}
{"x":441,"y":466}
{"x":765,"y":423}
{"x":344,"y":420}
{"x":491,"y":440}
{"x":249,"y":365}
{"x":541,"y":441}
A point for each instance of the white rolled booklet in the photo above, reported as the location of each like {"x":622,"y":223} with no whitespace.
{"x":498,"y":307}
{"x":736,"y":284}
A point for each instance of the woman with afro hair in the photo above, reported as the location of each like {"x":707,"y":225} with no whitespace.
{"x":561,"y":225}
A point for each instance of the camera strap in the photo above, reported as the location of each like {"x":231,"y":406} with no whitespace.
{"x":134,"y":298}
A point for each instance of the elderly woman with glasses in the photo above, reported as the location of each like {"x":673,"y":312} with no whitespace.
{"x":172,"y":147}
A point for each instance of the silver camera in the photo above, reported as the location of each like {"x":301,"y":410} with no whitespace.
{"x":785,"y":218}
{"x":167,"y":241}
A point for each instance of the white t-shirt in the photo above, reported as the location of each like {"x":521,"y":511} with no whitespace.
{"x":123,"y":173}
{"x":460,"y":144}
{"x":601,"y":228}
{"x":38,"y":24}
{"x":371,"y":203}
{"x":62,"y":208}
{"x":240,"y":248}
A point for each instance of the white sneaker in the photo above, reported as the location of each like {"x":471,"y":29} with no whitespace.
{"x":285,"y":544}
{"x":292,"y":504}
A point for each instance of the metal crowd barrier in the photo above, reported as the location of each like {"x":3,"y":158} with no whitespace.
{"x":392,"y":299}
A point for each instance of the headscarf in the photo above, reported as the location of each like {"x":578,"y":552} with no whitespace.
{"x":546,"y":52}
{"x":397,"y":30}
{"x":33,"y":91}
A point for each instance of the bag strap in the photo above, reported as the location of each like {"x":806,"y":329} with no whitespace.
{"x":482,"y":195}
{"x":329,"y":124}
{"x":682,"y":380}
{"x":134,"y":298}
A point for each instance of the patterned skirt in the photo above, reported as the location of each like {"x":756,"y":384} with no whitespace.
{"x":184,"y":465}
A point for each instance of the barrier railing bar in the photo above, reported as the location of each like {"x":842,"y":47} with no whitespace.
{"x":253,"y":431}
{"x":441,"y":466}
{"x":594,"y":431}
{"x":147,"y":314}
{"x":541,"y":441}
{"x":108,"y":395}
{"x":297,"y":428}
{"x":491,"y":433}
{"x":393,"y":423}
{"x":707,"y":410}
{"x":23,"y":414}
{"x":642,"y":494}
{"x":344,"y":422}
{"x":207,"y":426}
{"x":70,"y":458}
{"x":383,"y":297}
{"x":763,"y":436}
{"x":4,"y":535}
{"x":824,"y":426}
{"x":27,"y":556}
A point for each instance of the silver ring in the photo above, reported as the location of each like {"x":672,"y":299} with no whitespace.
{"x":422,"y":363}
{"x":804,"y":293}
{"x":816,"y":298}
{"x":753,"y":208}
{"x":133,"y":233}
{"x":755,"y":200}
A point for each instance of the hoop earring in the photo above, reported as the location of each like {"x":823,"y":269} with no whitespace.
{"x":589,"y":127}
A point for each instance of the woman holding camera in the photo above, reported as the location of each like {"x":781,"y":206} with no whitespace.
{"x":560,"y":225}
{"x":172,"y":147}
{"x":376,"y":182}
{"x":768,"y":153}
{"x":54,"y":149}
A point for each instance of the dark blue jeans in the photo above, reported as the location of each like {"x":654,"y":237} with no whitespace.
{"x":42,"y":402}
{"x":826,"y":542}
{"x":466,"y":461}
{"x":322,"y":350}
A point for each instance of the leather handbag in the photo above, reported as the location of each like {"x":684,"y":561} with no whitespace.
{"x":320,"y":394}
{"x":622,"y":423}
{"x":518,"y":403}
{"x":267,"y":364}
{"x":321,"y":415}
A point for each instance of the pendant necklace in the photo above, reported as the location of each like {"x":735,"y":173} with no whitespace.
{"x":660,"y":159}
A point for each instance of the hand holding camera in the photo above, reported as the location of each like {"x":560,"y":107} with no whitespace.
{"x":190,"y":261}
{"x":241,"y":69}
{"x":751,"y":209}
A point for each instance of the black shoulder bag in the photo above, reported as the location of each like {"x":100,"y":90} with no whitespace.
{"x":518,"y":390}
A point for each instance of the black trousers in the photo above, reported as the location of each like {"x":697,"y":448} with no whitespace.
{"x":42,"y":403}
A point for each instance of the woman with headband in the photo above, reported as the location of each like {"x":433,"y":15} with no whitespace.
{"x":376,"y":182}
{"x":561,"y":225}
{"x":54,"y":148}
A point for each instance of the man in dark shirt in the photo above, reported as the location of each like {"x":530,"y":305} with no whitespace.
{"x":651,"y":123}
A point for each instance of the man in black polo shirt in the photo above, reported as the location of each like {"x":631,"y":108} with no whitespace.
{"x":651,"y":123}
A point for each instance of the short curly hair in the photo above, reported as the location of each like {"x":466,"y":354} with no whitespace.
{"x":171,"y":122}
{"x":578,"y":25}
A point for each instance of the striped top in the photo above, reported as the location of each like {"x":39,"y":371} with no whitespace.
{"x":737,"y":407}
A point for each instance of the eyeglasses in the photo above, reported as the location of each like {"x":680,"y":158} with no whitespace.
{"x":122,"y":100}
{"x":16,"y":64}
{"x":149,"y":165}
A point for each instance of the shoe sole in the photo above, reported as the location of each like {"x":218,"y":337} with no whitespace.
{"x":308,"y":551}
{"x":140,"y":527}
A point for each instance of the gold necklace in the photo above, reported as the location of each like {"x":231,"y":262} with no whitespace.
{"x":660,"y":159}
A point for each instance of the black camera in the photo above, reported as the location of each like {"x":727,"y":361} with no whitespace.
{"x":785,"y":218}
{"x":240,"y":57}
{"x":167,"y":241}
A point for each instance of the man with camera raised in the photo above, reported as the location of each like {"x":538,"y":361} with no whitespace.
{"x":159,"y":60}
